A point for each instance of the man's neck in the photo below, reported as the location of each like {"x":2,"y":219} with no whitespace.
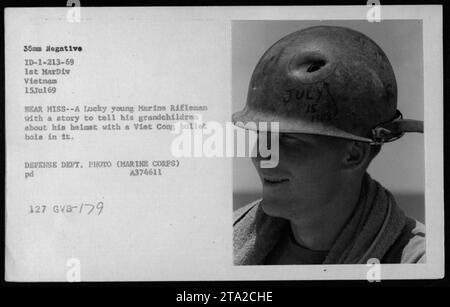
{"x":319,"y":230}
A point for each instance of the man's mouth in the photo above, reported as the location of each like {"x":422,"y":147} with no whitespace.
{"x":274,"y":181}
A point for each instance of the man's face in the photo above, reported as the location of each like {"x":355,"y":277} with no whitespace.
{"x":307,"y":175}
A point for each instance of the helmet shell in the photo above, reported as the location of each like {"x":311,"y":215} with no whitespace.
{"x":322,"y":80}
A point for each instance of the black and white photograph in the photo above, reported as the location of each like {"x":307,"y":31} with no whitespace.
{"x":335,"y":94}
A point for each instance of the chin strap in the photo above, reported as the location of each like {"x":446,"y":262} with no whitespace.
{"x":395,"y":129}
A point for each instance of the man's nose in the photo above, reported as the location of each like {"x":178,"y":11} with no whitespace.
{"x":257,"y":157}
{"x":262,"y":154}
{"x":267,"y":150}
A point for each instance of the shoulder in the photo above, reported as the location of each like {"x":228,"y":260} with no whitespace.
{"x":239,"y":213}
{"x":410,"y":246}
{"x":414,"y":250}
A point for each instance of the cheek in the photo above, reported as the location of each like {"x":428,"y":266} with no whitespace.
{"x":311,"y":167}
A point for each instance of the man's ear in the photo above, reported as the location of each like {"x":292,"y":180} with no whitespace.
{"x":357,"y":155}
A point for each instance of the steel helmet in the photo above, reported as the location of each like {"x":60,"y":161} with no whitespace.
{"x":330,"y":81}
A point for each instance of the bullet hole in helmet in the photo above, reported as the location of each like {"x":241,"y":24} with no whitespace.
{"x":310,"y":67}
{"x":316,"y":65}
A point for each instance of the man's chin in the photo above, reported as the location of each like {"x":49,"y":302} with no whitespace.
{"x":275,"y":207}
{"x":283,"y":206}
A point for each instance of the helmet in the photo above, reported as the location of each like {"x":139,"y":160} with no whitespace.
{"x":330,"y":81}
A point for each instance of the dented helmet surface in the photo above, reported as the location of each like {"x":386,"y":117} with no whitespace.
{"x":322,"y":80}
